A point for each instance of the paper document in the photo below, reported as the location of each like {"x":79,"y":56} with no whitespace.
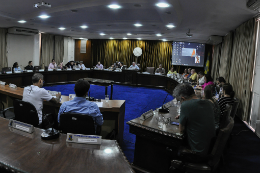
{"x":100,"y":104}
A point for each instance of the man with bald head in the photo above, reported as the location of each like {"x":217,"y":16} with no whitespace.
{"x":134,"y":66}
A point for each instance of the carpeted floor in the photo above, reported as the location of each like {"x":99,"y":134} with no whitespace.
{"x":243,"y":155}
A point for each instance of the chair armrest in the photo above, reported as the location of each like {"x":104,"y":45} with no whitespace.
{"x":6,"y":110}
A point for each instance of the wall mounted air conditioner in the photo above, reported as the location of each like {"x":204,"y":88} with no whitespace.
{"x":253,"y":4}
{"x":22,"y":31}
{"x":214,"y":40}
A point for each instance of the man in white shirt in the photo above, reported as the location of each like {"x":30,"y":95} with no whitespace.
{"x":134,"y":66}
{"x":35,"y":95}
{"x":200,"y":80}
{"x":81,"y":65}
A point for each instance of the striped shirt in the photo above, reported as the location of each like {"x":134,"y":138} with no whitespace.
{"x":222,"y":103}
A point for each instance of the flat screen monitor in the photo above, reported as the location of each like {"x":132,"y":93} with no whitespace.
{"x":188,"y":54}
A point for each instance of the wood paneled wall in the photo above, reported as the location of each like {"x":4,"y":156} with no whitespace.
{"x":85,"y":57}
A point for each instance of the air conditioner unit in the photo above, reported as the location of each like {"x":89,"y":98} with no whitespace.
{"x":22,"y":31}
{"x":253,"y":4}
{"x":214,"y":40}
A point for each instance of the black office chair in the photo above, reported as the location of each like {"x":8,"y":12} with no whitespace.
{"x":214,"y":157}
{"x":24,"y":112}
{"x":234,"y":108}
{"x":224,"y":120}
{"x":78,"y":124}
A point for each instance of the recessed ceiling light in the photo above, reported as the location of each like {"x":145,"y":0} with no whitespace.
{"x":83,"y":26}
{"x":162,"y":5}
{"x":102,"y":34}
{"x":44,"y":16}
{"x":138,"y":24}
{"x":81,"y":38}
{"x":139,"y":38}
{"x":129,"y":34}
{"x":62,"y":28}
{"x":170,"y":26}
{"x":164,"y":40}
{"x":114,"y":6}
{"x":124,"y":38}
{"x":22,"y":21}
{"x":111,"y":38}
{"x":159,"y":35}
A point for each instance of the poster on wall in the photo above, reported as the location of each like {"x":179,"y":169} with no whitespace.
{"x":83,"y":48}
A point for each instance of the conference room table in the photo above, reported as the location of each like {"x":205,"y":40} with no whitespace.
{"x":23,"y":152}
{"x":155,"y":147}
{"x":113,"y":110}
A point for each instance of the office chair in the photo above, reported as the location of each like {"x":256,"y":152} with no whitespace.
{"x":213,"y":158}
{"x":224,"y":120}
{"x":234,"y":108}
{"x":150,"y":70}
{"x":5,"y":69}
{"x":24,"y":112}
{"x":78,"y":124}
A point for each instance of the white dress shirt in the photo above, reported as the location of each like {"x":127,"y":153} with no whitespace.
{"x":82,"y":66}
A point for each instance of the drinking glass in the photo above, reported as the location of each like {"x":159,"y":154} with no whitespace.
{"x":160,"y":122}
{"x":106,"y":98}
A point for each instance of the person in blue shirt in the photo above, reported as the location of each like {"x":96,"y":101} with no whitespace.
{"x":16,"y":67}
{"x":80,"y":105}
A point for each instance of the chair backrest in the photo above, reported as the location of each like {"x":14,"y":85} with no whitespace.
{"x":36,"y":68}
{"x":234,"y":108}
{"x":25,"y":112}
{"x":220,"y":144}
{"x":224,"y":120}
{"x":150,"y":70}
{"x":5,"y":69}
{"x":77,"y":123}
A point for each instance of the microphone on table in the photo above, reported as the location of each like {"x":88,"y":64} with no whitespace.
{"x":163,"y":109}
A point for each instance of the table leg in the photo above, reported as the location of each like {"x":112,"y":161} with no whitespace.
{"x":111,"y":98}
{"x":106,"y":91}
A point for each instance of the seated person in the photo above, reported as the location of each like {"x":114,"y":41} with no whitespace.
{"x":228,"y":97}
{"x":29,"y":66}
{"x":112,"y":67}
{"x":220,"y":82}
{"x":81,"y":65}
{"x":16,"y":67}
{"x":200,"y":78}
{"x":70,"y":65}
{"x":80,"y":105}
{"x":208,"y":81}
{"x":193,"y":76}
{"x":60,"y":66}
{"x":189,"y":74}
{"x":196,"y":120}
{"x":208,"y":92}
{"x":134,"y":66}
{"x":52,"y":65}
{"x":35,"y":94}
{"x":160,"y":70}
{"x":185,"y":74}
{"x":99,"y":66}
{"x":172,"y":71}
{"x":122,"y":67}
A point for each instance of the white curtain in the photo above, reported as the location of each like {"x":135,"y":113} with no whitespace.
{"x":59,"y":49}
{"x":3,"y":59}
{"x":47,"y":49}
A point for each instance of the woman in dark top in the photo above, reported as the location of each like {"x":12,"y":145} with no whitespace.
{"x":208,"y":92}
{"x":228,"y":97}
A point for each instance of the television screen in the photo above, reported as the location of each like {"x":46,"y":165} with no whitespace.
{"x":188,"y":54}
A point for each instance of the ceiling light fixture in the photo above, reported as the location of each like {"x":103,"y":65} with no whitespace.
{"x":22,"y":21}
{"x":162,"y":5}
{"x":139,"y":38}
{"x":170,"y":26}
{"x":138,"y":25}
{"x":129,"y":34}
{"x":158,"y":35}
{"x":114,"y":6}
{"x":102,"y":34}
{"x":81,"y":38}
{"x":111,"y":38}
{"x":124,"y":38}
{"x":164,"y":40}
{"x":83,"y":26}
{"x":62,"y":28}
{"x":44,"y":16}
